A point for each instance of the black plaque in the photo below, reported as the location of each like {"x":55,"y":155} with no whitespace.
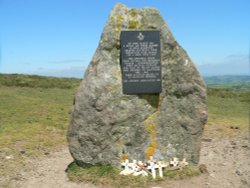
{"x":140,"y":60}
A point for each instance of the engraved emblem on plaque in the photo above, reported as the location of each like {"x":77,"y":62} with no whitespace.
{"x":140,"y":36}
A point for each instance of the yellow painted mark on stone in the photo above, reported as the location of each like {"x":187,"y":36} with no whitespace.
{"x":124,"y":157}
{"x":150,"y":124}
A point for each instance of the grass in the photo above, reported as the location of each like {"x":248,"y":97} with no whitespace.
{"x":229,"y":82}
{"x":182,"y":174}
{"x":34,"y":81}
{"x":227,"y":108}
{"x":34,"y":117}
{"x":33,"y":120}
{"x":104,"y":175}
{"x":108,"y":175}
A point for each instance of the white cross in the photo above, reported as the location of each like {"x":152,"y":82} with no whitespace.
{"x":160,"y":169}
{"x":175,"y":162}
{"x":152,"y":167}
{"x":183,"y":163}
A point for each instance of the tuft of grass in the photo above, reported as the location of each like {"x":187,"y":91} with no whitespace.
{"x":203,"y":168}
{"x":186,"y":172}
{"x":109,"y":176}
{"x":104,"y":175}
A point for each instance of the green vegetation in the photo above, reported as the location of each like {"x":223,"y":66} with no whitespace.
{"x":108,"y":175}
{"x":227,"y":79}
{"x":181,"y":174}
{"x":35,"y":112}
{"x":227,"y":108}
{"x":104,"y":175}
{"x":229,"y":82}
{"x":34,"y":116}
{"x":34,"y":81}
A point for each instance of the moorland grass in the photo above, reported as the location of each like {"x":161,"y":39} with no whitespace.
{"x":35,"y":112}
{"x":234,"y":82}
{"x":33,"y":121}
{"x":108,"y":175}
{"x":35,"y":81}
{"x":104,"y":175}
{"x":228,"y":108}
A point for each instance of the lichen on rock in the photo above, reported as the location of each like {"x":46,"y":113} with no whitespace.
{"x":107,"y":126}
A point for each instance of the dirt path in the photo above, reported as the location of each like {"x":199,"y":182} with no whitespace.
{"x":227,"y":159}
{"x":228,"y":162}
{"x":50,"y":173}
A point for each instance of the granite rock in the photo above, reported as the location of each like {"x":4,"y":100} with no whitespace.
{"x":107,"y":126}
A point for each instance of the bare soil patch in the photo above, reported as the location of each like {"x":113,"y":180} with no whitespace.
{"x":227,"y":160}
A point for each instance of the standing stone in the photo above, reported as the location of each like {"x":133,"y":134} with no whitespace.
{"x":108,"y":126}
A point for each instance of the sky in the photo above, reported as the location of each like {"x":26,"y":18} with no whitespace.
{"x":59,"y":37}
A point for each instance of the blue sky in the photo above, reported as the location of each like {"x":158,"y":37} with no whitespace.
{"x":59,"y":37}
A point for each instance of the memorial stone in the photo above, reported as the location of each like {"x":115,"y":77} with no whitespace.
{"x":141,"y":95}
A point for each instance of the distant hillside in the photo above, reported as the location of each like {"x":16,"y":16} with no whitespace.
{"x":227,"y":79}
{"x":33,"y":81}
{"x":229,"y":82}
